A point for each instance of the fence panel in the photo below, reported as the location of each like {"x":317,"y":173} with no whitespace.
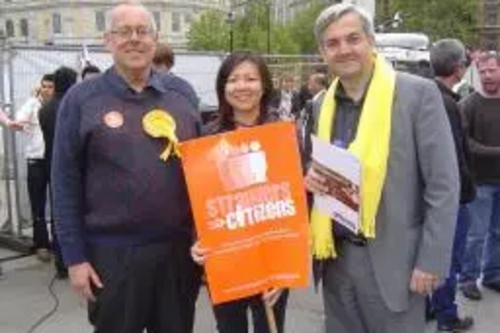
{"x":21,"y":68}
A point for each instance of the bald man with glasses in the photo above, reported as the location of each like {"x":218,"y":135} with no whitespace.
{"x":123,"y":213}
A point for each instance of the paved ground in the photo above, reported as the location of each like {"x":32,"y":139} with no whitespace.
{"x":24,"y":298}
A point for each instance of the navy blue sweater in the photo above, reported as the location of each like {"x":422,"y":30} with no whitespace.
{"x":110,"y":186}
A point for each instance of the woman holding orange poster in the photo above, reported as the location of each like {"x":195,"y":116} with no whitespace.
{"x":244,"y":88}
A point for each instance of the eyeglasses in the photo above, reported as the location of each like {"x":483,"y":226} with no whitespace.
{"x":128,"y":32}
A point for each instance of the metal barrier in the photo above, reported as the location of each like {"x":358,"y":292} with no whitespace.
{"x":12,"y":231}
{"x":21,"y":68}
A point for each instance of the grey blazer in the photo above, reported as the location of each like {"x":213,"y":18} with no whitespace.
{"x":418,"y":210}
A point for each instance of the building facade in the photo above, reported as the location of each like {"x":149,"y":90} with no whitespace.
{"x":488,"y":28}
{"x":84,"y":21}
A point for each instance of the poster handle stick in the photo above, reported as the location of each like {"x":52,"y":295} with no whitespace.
{"x":271,"y":320}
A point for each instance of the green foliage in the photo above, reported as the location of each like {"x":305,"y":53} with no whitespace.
{"x":301,"y":28}
{"x":439,"y":18}
{"x":436,"y":18}
{"x":209,"y":32}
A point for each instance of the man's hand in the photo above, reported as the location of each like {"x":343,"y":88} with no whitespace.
{"x":315,"y":181}
{"x":82,"y":277}
{"x":423,"y":283}
{"x":199,"y":253}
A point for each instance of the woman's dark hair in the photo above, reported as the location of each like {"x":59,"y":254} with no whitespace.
{"x":226,"y":112}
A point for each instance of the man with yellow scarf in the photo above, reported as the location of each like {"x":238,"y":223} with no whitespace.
{"x":396,"y":124}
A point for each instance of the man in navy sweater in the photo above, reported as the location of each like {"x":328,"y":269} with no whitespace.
{"x":124,"y":220}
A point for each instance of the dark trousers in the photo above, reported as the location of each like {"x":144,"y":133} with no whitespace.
{"x":354,"y":303}
{"x":56,"y":250}
{"x":37,"y":192}
{"x":151,"y":287}
{"x":232,"y":316}
{"x":443,"y":299}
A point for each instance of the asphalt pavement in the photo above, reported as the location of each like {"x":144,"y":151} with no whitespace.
{"x":25,"y":298}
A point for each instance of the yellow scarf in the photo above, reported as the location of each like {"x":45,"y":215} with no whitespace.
{"x":371,"y":146}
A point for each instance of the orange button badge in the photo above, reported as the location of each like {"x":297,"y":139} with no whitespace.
{"x":113,"y":119}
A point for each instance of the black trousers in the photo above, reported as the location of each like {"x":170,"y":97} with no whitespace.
{"x":151,"y":287}
{"x":56,"y":249}
{"x":232,"y":316}
{"x":37,"y":192}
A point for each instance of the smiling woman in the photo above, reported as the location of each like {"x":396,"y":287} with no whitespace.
{"x":244,"y":89}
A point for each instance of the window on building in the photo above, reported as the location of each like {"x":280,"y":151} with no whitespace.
{"x":100,"y":21}
{"x":176,"y":22}
{"x":490,"y":41}
{"x":492,"y":18}
{"x":157,"y":18}
{"x":24,"y":27}
{"x":56,"y":23}
{"x":9,"y":28}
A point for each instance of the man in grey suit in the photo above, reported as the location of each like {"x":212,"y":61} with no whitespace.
{"x":377,"y":282}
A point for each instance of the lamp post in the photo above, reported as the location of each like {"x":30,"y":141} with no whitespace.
{"x":230,"y":21}
{"x":268,"y":27}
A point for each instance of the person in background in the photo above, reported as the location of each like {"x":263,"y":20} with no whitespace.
{"x":482,"y":121}
{"x":304,"y":95}
{"x":164,"y":59}
{"x":34,"y":148}
{"x":377,"y":280}
{"x":163,"y":62}
{"x":317,"y":84}
{"x":244,"y":88}
{"x":286,"y":99}
{"x":9,"y":123}
{"x":123,"y":214}
{"x":448,"y":61}
{"x":90,"y":71}
{"x":64,"y":78}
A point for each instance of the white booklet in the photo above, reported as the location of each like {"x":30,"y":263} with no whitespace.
{"x":343,"y":172}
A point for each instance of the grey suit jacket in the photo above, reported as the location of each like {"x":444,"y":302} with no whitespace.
{"x":417,"y":214}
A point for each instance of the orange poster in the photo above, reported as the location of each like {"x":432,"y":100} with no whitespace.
{"x":248,"y":198}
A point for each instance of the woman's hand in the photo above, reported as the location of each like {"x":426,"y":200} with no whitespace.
{"x":272,"y":295}
{"x":199,"y":253}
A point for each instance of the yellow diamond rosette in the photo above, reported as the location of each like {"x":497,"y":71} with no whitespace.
{"x":160,"y":124}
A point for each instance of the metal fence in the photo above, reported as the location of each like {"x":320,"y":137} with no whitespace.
{"x":21,"y":68}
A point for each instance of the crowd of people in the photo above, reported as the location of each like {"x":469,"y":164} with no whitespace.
{"x":122,"y":224}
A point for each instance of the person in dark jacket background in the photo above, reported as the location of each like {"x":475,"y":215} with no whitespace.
{"x":244,"y":88}
{"x":64,"y":78}
{"x":90,"y":71}
{"x":448,"y":59}
{"x":285,"y":99}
